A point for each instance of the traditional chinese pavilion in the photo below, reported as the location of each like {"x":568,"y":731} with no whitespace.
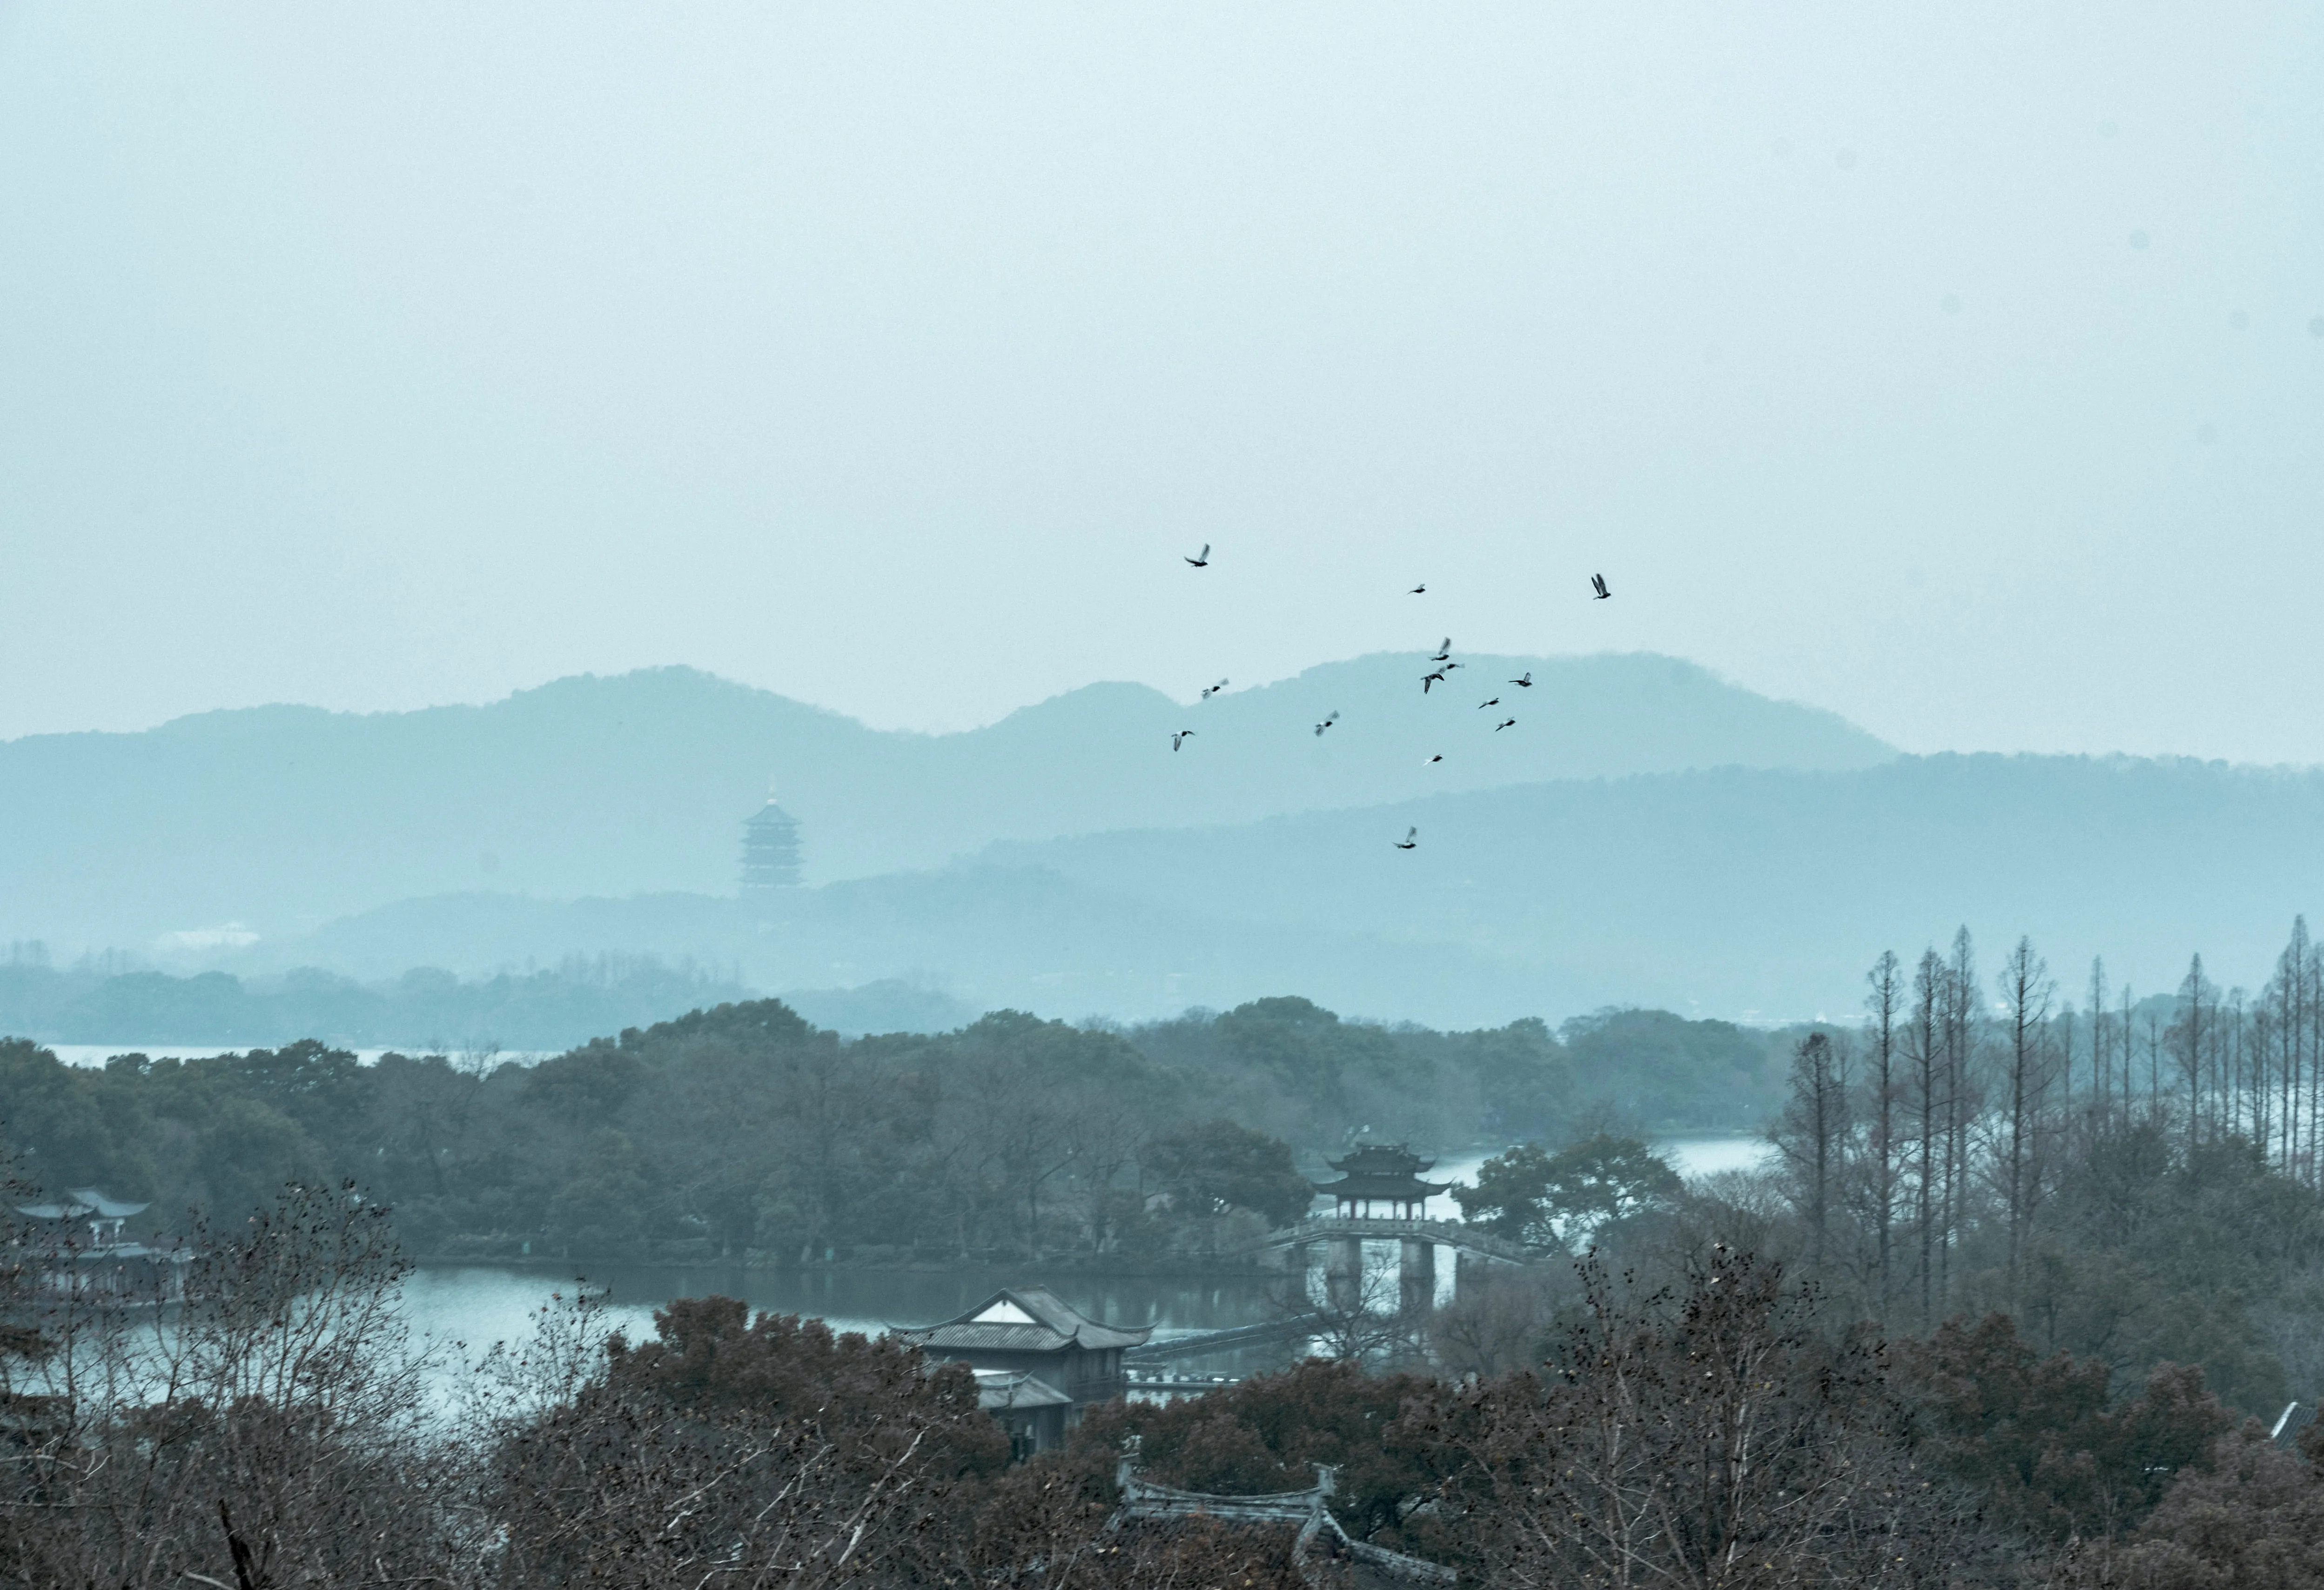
{"x":1033,"y":1355}
{"x":104,"y":1217}
{"x":81,"y":1251}
{"x":1381,"y":1174}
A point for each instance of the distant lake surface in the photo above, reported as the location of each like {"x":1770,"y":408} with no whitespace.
{"x":479,"y":1304}
{"x":1689,"y":1156}
{"x":97,"y":1054}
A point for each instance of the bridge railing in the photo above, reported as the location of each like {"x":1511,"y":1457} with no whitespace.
{"x":1449,"y":1233}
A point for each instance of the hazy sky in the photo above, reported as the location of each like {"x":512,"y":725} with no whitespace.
{"x":1959,"y":367}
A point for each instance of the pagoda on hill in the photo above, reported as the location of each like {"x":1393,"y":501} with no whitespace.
{"x":770,"y":850}
{"x":1381,"y":1173}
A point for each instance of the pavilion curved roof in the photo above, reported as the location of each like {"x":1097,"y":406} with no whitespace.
{"x":79,"y":1201}
{"x":1384,"y":1186}
{"x":1023,"y":1319}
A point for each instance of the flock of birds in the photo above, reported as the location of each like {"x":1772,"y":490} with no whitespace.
{"x":1442,"y":666}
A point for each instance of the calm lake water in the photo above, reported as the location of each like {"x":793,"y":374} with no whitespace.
{"x":97,"y":1054}
{"x":479,"y":1304}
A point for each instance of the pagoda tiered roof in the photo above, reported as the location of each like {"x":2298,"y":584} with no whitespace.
{"x":1381,"y":1173}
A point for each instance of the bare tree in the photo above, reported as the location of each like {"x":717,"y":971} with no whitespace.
{"x":1703,"y":1439}
{"x":2191,"y":1037}
{"x":2099,"y":1083}
{"x":270,"y":1433}
{"x":1496,"y":1322}
{"x":740,"y":1452}
{"x":2026,"y":991}
{"x":1924,"y":1054}
{"x":1812,"y":1137}
{"x":1884,"y":1002}
{"x":1963,"y":1029}
{"x":1360,"y":1316}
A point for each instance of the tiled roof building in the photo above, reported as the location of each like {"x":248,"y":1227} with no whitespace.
{"x":1033,"y":1333}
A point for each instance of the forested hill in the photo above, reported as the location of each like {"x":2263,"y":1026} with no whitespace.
{"x":283,"y":817}
{"x":744,"y":1127}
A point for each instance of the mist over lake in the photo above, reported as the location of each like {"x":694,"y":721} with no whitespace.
{"x":1050,"y":798}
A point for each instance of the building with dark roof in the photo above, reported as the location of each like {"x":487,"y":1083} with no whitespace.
{"x":1032,"y":1332}
{"x":771,"y":848}
{"x":1294,"y":1529}
{"x":1384,"y":1174}
{"x":1029,"y":1409}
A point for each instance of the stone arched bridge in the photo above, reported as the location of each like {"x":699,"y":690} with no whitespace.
{"x":1343,"y":1237}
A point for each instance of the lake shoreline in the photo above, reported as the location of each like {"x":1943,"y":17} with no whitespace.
{"x":1691,"y":1156}
{"x":1097,"y":1266}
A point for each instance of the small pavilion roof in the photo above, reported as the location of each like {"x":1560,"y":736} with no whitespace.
{"x":1381,"y":1159}
{"x":1023,"y":1319}
{"x":79,"y":1201}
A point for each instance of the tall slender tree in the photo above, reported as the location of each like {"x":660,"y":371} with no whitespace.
{"x":1884,"y":1003}
{"x":1961,"y":1031}
{"x":2027,"y":992}
{"x":2311,"y":1063}
{"x":2191,"y":1038}
{"x":2099,"y":1076}
{"x":1924,"y":1057}
{"x":1812,"y":1136}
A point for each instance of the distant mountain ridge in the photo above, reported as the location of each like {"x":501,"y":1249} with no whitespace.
{"x":1745,"y":894}
{"x":283,"y":817}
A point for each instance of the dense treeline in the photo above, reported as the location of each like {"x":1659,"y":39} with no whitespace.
{"x":2132,"y":1182}
{"x":741,"y":1129}
{"x":1703,"y":1423}
{"x":93,"y":1002}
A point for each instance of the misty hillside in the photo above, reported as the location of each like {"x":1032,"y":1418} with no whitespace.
{"x":1731,"y":893}
{"x":283,"y":817}
{"x":988,"y":936}
{"x":1741,"y":892}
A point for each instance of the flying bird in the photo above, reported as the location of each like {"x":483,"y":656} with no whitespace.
{"x":1328,"y":721}
{"x":1483,"y":705}
{"x":1418,"y":588}
{"x":1427,"y":679}
{"x":1213,"y":690}
{"x":1444,"y":651}
{"x":1598,"y":583}
{"x":1180,"y":737}
{"x":1410,"y":841}
{"x":1204,"y":561}
{"x":1505,"y":723}
{"x":1524,"y":681}
{"x":1437,"y":757}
